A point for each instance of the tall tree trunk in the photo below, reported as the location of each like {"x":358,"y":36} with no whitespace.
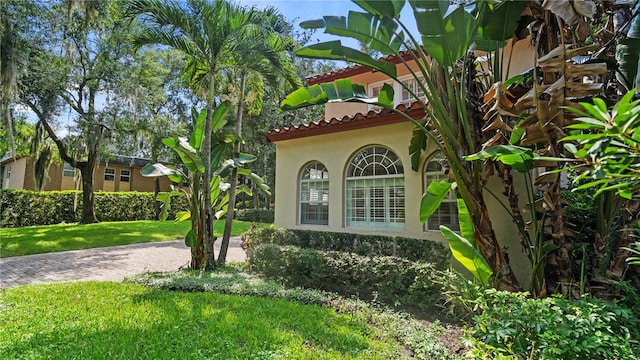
{"x":207,"y":214}
{"x":88,"y":211}
{"x":222,"y":256}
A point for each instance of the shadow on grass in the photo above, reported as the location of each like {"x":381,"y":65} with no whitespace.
{"x":159,"y":324}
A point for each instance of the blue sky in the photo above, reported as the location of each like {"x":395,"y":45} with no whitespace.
{"x":297,"y":11}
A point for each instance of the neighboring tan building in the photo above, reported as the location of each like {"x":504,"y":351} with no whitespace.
{"x":351,"y":171}
{"x":119,"y":174}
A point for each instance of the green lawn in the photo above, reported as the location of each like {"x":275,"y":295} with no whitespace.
{"x":101,"y":320}
{"x":53,"y":238}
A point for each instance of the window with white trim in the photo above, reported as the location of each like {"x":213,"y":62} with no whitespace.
{"x":402,"y":95}
{"x":68,"y":171}
{"x":314,"y":194}
{"x":406,"y":98}
{"x":436,"y":169}
{"x":109,"y":174}
{"x":375,"y":189}
{"x":125,"y":175}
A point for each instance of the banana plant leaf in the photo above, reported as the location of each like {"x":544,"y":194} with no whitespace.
{"x":431,"y":200}
{"x":417,"y":144}
{"x":378,"y":33}
{"x":447,"y":32}
{"x":334,"y":50}
{"x":340,"y":90}
{"x":157,"y":170}
{"x":467,"y":255}
{"x":189,"y":156}
{"x":389,"y":8}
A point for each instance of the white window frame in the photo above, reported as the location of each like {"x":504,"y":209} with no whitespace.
{"x":314,"y":194}
{"x":447,"y":213}
{"x":66,"y":169}
{"x":109,"y":174}
{"x":127,"y":176}
{"x":375,"y":191}
{"x":401,"y":95}
{"x":8,"y":172}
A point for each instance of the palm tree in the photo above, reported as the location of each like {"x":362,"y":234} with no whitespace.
{"x":258,"y":58}
{"x":206,"y":32}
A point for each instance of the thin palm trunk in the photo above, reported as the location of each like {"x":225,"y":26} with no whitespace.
{"x":222,"y":257}
{"x":207,"y":215}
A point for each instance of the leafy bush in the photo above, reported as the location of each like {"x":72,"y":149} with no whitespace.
{"x":388,"y":278}
{"x":511,"y":324}
{"x":257,"y":215}
{"x":29,"y":208}
{"x":366,"y":245}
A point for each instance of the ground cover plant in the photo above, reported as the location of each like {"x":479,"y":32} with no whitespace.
{"x":63,"y":237}
{"x":421,"y":339}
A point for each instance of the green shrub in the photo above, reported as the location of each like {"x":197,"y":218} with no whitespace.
{"x":388,"y":278}
{"x":511,"y":324}
{"x":366,"y":245}
{"x":29,"y":208}
{"x":257,"y":215}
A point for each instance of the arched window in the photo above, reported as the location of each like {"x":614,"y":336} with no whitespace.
{"x":314,"y":194}
{"x":436,"y":169}
{"x":375,"y":189}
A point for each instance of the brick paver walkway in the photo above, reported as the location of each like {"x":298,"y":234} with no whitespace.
{"x":108,"y":263}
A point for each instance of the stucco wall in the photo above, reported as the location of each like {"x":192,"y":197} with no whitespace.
{"x":335,"y":150}
{"x":17,"y":168}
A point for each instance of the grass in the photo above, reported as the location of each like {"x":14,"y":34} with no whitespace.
{"x":63,"y":237}
{"x":101,"y":320}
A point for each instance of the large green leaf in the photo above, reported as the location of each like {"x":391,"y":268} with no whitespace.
{"x":190,"y":239}
{"x":431,"y":200}
{"x":518,"y":157}
{"x":340,"y":90}
{"x":378,"y":33}
{"x":333,"y":50}
{"x":198,"y":128}
{"x":628,"y":56}
{"x":189,"y":156}
{"x":417,"y":144}
{"x":467,"y":255}
{"x":500,"y":22}
{"x":157,"y":170}
{"x":389,"y":8}
{"x":465,"y":222}
{"x":446,"y":34}
{"x":217,"y":119}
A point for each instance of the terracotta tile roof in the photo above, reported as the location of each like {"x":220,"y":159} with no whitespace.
{"x":357,"y":121}
{"x":355,"y":69}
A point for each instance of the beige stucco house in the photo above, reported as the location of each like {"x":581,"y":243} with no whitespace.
{"x":351,"y":171}
{"x":119,"y":174}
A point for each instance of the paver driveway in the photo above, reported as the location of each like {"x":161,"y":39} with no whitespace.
{"x":107,"y":263}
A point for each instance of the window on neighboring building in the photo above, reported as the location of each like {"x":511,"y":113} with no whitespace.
{"x":125,"y":175}
{"x":8,"y":172}
{"x":447,"y":214}
{"x":109,"y":174}
{"x":314,"y":194}
{"x":68,"y":171}
{"x":375,"y":189}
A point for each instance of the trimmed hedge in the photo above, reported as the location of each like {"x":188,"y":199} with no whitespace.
{"x":255,"y":215}
{"x":366,"y":245}
{"x":29,"y":208}
{"x":385,"y":278}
